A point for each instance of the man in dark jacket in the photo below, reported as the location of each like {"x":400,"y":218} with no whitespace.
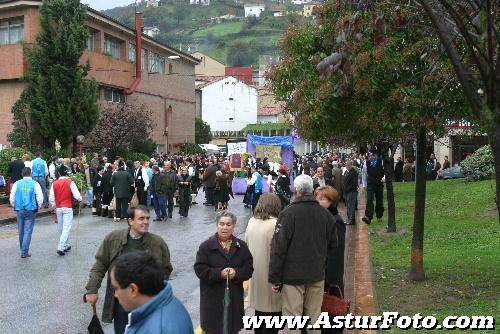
{"x":350,"y":187}
{"x":374,"y":188}
{"x":97,"y":191}
{"x":158,"y":189}
{"x":15,"y":170}
{"x":209,"y":181}
{"x":170,"y":181}
{"x":121,"y":181}
{"x":116,"y":243}
{"x":320,"y":180}
{"x":305,"y":233}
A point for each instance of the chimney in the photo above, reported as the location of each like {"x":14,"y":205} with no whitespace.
{"x":138,"y":54}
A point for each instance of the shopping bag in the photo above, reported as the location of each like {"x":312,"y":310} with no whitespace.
{"x":95,"y":326}
{"x":134,"y":201}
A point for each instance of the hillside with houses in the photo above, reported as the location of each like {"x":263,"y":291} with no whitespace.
{"x":234,"y":32}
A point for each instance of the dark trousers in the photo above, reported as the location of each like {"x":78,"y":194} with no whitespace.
{"x":170,"y":202}
{"x":351,"y":200}
{"x":264,"y":330}
{"x":97,"y":202}
{"x":184,"y":200}
{"x":159,"y":205}
{"x":141,"y":196}
{"x":120,"y":319}
{"x":255,"y":200}
{"x":374,"y":192}
{"x":210,"y":195}
{"x":121,"y":207}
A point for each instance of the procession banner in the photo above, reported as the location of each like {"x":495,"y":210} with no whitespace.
{"x":273,"y":153}
{"x":240,"y":147}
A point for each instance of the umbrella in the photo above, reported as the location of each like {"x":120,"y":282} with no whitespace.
{"x":95,"y":325}
{"x":226,"y":302}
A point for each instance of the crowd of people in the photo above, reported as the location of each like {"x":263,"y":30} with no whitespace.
{"x":286,"y":278}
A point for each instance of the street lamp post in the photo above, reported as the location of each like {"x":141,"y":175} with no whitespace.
{"x":80,"y":140}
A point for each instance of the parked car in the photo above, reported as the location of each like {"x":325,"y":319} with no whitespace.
{"x":454,"y":172}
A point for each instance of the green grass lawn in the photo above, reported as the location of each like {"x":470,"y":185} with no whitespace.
{"x":221,"y":29}
{"x":461,"y":253}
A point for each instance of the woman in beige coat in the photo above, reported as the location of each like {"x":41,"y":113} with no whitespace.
{"x":259,"y":234}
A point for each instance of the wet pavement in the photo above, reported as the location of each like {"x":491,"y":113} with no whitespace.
{"x":43,"y":294}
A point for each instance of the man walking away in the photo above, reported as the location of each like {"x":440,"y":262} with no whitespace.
{"x":26,"y":197}
{"x":350,"y":187}
{"x":304,"y":234}
{"x":97,"y":191}
{"x":62,"y":193}
{"x":171,"y":186}
{"x":158,"y":188}
{"x":121,"y":181}
{"x":15,"y":170}
{"x":40,"y":172}
{"x":374,"y":188}
{"x":128,"y":240}
{"x":141,"y":289}
{"x":209,"y":182}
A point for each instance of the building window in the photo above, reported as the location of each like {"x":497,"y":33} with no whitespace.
{"x":154,"y":62}
{"x":113,"y":47}
{"x":114,"y":95}
{"x":131,"y":52}
{"x":11,"y":30}
{"x":144,"y":64}
{"x":170,"y":69}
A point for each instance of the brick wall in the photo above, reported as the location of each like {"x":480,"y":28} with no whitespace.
{"x":9,"y":94}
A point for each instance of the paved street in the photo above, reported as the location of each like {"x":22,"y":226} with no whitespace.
{"x":43,"y":294}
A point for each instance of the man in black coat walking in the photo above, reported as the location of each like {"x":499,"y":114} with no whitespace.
{"x":209,"y":181}
{"x":305,"y":233}
{"x":15,"y":170}
{"x":374,"y":188}
{"x":350,"y":187}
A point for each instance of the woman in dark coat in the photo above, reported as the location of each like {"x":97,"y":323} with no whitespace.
{"x":328,"y":198}
{"x":283,"y":188}
{"x":220,"y":256}
{"x":184,"y":183}
{"x":107,"y":192}
{"x":221,"y":193}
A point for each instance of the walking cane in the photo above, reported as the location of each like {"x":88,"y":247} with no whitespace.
{"x":226,"y":302}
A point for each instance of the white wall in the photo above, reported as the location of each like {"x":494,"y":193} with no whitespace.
{"x":223,"y":114}
{"x":254,"y":10}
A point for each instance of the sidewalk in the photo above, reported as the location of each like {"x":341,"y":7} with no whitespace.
{"x":8,"y":215}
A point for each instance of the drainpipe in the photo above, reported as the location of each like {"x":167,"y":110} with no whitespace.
{"x":138,"y":55}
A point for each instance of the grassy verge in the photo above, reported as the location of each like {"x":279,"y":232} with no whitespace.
{"x":461,"y":253}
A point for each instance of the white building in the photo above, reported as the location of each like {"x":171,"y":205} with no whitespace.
{"x":200,"y":2}
{"x":151,"y":31}
{"x":227,"y":104}
{"x":152,"y":3}
{"x":254,"y":10}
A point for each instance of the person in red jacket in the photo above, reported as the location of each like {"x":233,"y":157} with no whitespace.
{"x":62,"y":194}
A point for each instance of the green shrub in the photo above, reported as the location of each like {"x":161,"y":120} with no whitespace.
{"x":135,"y":156}
{"x":480,"y":165}
{"x":7,"y":154}
{"x":189,"y":148}
{"x":79,"y":179}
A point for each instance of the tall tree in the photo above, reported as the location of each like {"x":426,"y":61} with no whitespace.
{"x":59,"y":102}
{"x":385,"y":79}
{"x":202,"y":132}
{"x":469,"y":31}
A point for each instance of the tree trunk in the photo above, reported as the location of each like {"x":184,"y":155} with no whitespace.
{"x":389,"y":185}
{"x":494,"y":137}
{"x":74,"y":147}
{"x":417,"y":272}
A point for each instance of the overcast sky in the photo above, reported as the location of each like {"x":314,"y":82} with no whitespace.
{"x":106,"y":4}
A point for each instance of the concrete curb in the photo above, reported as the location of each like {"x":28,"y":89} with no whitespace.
{"x":9,"y":220}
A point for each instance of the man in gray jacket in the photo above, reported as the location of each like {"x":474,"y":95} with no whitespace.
{"x":121,"y":181}
{"x":304,"y":234}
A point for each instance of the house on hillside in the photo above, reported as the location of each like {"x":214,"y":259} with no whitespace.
{"x":254,"y":9}
{"x":200,"y":2}
{"x":152,"y":3}
{"x":309,"y":9}
{"x":227,"y":104}
{"x":208,"y":66}
{"x":112,"y":51}
{"x":151,"y":31}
